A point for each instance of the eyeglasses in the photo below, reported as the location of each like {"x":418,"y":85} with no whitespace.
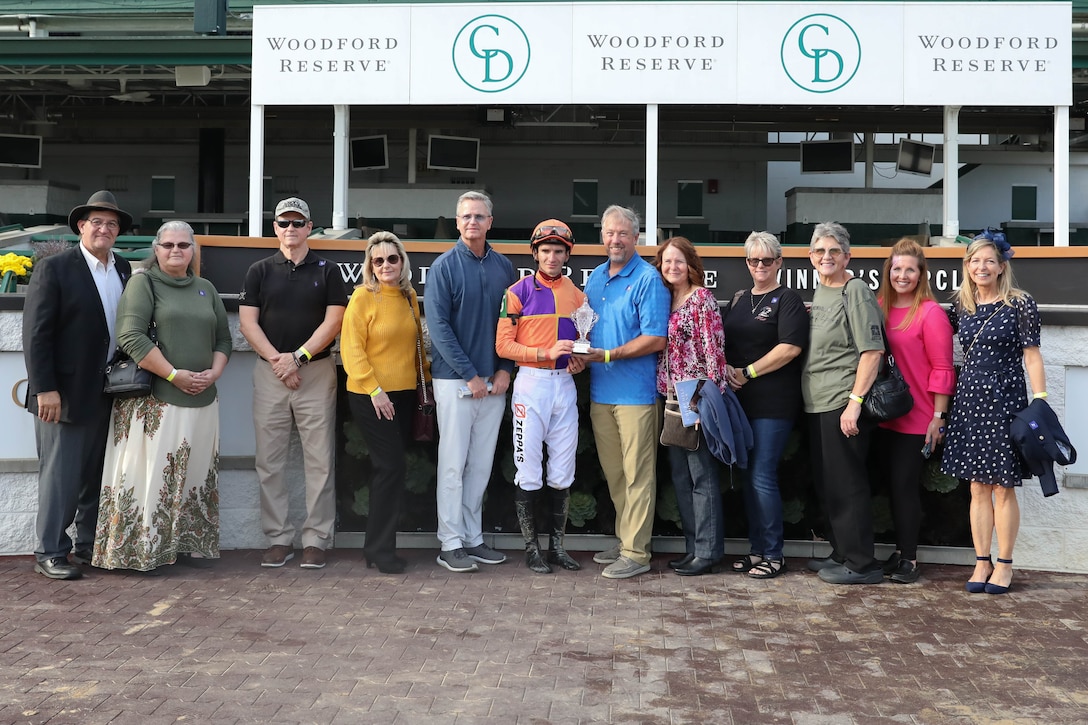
{"x":561,"y":232}
{"x":296,"y":223}
{"x":834,"y":252}
{"x":170,"y":245}
{"x":380,"y":261}
{"x":478,"y":218}
{"x":754,"y":262}
{"x":109,"y":224}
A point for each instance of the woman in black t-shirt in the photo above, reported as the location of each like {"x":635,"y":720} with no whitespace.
{"x":766,"y":328}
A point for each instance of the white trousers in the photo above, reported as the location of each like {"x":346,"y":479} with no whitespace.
{"x":468,"y":429}
{"x":545,"y":408}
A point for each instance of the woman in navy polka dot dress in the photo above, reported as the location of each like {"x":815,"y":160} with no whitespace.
{"x":998,"y":327}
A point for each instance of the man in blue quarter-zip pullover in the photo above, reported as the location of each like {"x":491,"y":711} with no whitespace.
{"x":465,"y":287}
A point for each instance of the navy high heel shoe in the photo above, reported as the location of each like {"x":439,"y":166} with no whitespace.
{"x":996,"y":588}
{"x":979,"y":587}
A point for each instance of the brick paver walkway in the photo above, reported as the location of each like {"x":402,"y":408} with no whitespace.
{"x":348,"y":645}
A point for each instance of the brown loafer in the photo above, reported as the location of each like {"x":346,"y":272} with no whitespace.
{"x":277,"y":555}
{"x":313,"y":558}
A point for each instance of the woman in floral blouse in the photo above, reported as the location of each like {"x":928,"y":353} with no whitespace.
{"x":695,"y":350}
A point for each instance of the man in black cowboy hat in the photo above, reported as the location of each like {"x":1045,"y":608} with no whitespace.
{"x":68,"y":338}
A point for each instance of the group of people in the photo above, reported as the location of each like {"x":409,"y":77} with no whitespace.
{"x":138,"y":476}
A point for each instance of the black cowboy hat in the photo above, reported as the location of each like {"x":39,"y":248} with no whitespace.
{"x":105,"y":201}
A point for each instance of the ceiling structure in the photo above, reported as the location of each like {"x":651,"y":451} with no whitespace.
{"x":111,"y":75}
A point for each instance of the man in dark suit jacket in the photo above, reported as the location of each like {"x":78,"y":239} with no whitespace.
{"x":68,"y":338}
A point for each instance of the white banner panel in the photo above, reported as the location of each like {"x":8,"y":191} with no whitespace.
{"x":867,"y":53}
{"x":1000,"y":54}
{"x":331,"y":54}
{"x":491,"y":54}
{"x":821,"y":54}
{"x":685,"y":53}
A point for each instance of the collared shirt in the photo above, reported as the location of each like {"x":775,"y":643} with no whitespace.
{"x":109,"y":286}
{"x":293,"y":297}
{"x":461,"y":302}
{"x":630,"y":303}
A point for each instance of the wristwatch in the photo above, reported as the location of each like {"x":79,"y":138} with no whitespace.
{"x":744,"y":372}
{"x":940,"y":414}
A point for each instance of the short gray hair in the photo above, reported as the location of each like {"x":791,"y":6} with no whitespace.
{"x":474,"y":196}
{"x":629,"y":215}
{"x":171,"y":226}
{"x":763,"y":240}
{"x":834,"y":230}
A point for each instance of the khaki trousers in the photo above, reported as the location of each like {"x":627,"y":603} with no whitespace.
{"x":627,"y":442}
{"x":312,"y":409}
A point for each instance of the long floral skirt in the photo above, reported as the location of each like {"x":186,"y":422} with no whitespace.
{"x":160,"y":485}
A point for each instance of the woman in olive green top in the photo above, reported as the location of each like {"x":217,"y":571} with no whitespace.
{"x":160,"y":494}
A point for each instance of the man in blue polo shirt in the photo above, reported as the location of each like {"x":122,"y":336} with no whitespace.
{"x":633,"y":304}
{"x":465,"y":287}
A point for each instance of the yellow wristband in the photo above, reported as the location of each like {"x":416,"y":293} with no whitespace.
{"x":304,"y":352}
{"x":1040,"y":395}
{"x":608,"y":356}
{"x":376,"y":392}
{"x":752,"y":372}
{"x":857,"y":399}
{"x":172,"y":375}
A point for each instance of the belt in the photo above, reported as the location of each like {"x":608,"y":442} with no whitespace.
{"x":542,"y":372}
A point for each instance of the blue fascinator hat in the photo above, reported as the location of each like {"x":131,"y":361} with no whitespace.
{"x":997,"y":238}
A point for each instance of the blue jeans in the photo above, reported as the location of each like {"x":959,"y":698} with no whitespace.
{"x":762,"y":502}
{"x":695,"y":478}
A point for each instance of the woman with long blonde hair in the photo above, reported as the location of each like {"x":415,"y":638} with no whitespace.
{"x":999,"y":330}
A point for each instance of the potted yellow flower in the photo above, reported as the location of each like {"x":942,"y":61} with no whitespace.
{"x":14,"y":271}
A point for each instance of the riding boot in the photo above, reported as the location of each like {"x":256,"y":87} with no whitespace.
{"x":524,"y":504}
{"x":560,"y":509}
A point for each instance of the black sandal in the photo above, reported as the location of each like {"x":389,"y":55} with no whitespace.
{"x":767,"y":569}
{"x":745,"y":564}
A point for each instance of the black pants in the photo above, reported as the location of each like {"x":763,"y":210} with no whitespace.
{"x":70,"y":460}
{"x":842,"y":483}
{"x":900,"y":463}
{"x":386,"y":440}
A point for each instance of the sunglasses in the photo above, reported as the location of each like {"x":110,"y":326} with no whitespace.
{"x":543,"y":232}
{"x":834,"y":252}
{"x":754,"y":262}
{"x":170,"y":245}
{"x":380,"y":261}
{"x":296,"y":223}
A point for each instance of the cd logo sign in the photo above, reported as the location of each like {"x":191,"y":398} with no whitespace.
{"x":821,"y":53}
{"x":491,"y":53}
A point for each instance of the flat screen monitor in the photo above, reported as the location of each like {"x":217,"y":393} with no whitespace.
{"x":22,"y":151}
{"x":915,"y":157}
{"x":827,"y":157}
{"x":369,"y":152}
{"x":453,"y":153}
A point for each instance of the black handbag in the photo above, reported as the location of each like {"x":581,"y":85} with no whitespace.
{"x":126,"y":379}
{"x":889,"y":397}
{"x":423,"y":418}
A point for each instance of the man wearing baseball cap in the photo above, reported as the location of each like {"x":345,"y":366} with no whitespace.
{"x":290,"y":311}
{"x":535,"y":330}
{"x":68,"y":338}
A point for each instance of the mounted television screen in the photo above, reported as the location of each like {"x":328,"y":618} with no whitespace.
{"x":453,"y":153}
{"x":22,"y":151}
{"x":369,"y":152}
{"x":915,"y":157}
{"x":827,"y":157}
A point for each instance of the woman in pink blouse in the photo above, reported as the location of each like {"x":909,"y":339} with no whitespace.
{"x":920,"y":337}
{"x":695,"y":350}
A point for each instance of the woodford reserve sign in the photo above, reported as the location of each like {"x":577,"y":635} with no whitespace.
{"x":1053,"y":276}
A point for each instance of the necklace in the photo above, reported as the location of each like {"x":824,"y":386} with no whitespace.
{"x":760,"y":303}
